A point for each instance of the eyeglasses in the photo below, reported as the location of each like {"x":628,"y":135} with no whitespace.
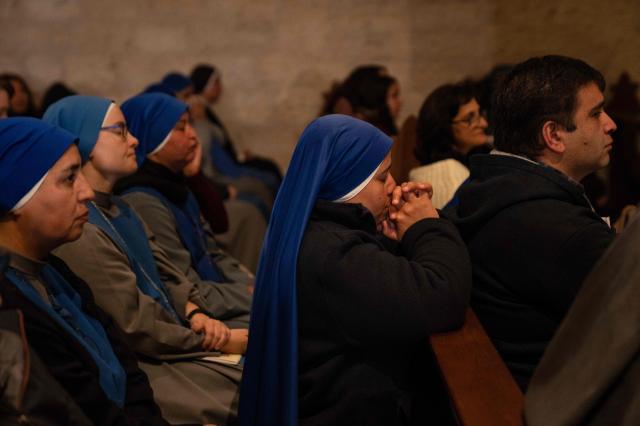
{"x":471,"y":118}
{"x":119,"y":129}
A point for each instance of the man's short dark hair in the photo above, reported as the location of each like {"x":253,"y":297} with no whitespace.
{"x":536,"y":91}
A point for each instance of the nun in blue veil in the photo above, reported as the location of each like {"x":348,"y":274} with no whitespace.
{"x":43,"y":205}
{"x":352,"y":265}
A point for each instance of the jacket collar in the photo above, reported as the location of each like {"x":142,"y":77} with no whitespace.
{"x":352,"y":216}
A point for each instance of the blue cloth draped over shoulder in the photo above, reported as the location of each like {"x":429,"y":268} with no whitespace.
{"x":28,"y":149}
{"x":227,"y":166}
{"x":334,"y":155}
{"x":66,"y":310}
{"x":127,"y":232}
{"x":191,"y":233}
{"x":82,"y":116}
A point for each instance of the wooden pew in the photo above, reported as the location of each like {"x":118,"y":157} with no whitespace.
{"x":480,"y":386}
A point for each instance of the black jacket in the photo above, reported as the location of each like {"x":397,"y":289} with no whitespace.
{"x":364,"y":306}
{"x":74,"y":368}
{"x":532,"y":236}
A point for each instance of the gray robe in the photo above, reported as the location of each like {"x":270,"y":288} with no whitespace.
{"x":246,"y":231}
{"x":186,"y":389}
{"x":590,"y":372}
{"x":163,"y":225}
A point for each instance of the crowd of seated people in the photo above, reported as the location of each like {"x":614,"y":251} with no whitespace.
{"x":163,"y":277}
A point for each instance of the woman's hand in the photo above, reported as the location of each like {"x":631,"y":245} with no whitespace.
{"x":410,"y":203}
{"x":237,"y":343}
{"x":193,"y":168}
{"x":216,"y":334}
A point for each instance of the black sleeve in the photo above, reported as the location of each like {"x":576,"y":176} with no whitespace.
{"x":374,"y":295}
{"x":575,"y":259}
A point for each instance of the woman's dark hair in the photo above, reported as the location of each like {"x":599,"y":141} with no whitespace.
{"x":31,"y":108}
{"x":369,"y":102}
{"x":435,"y":137}
{"x":536,"y":91}
{"x":200,"y":75}
{"x":5,"y":84}
{"x":346,"y":90}
{"x":54,"y":93}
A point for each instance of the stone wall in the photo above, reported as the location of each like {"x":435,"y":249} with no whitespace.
{"x":277,"y":56}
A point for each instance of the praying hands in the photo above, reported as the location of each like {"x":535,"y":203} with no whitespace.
{"x":410,"y":203}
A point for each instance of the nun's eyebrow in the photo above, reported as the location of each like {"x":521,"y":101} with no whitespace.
{"x":386,"y":170}
{"x":71,"y":168}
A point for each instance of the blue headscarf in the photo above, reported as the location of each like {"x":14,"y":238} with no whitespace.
{"x":335,"y":154}
{"x":176,"y":82}
{"x":82,"y":116}
{"x":28,"y":149}
{"x":151,"y":117}
{"x":158,"y":88}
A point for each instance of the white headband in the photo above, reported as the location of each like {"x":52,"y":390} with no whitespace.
{"x":162,"y":144}
{"x":355,"y":191}
{"x":29,"y":194}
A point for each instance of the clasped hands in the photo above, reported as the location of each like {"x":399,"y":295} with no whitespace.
{"x":410,"y":203}
{"x":216,"y":335}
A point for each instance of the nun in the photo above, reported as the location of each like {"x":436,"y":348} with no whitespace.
{"x":164,"y":315}
{"x":354,"y":275}
{"x":43,"y":204}
{"x":159,"y":194}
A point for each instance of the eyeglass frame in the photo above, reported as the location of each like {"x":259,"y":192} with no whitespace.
{"x":468,"y":122}
{"x":121,"y":126}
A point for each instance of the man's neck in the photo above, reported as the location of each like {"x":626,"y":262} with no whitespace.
{"x":557,"y":163}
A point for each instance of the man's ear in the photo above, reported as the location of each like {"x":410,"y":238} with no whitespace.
{"x":552,"y":135}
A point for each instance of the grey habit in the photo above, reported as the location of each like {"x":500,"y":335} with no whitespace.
{"x":188,"y":390}
{"x":163,"y":226}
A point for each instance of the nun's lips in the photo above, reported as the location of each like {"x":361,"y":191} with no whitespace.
{"x":84,"y":217}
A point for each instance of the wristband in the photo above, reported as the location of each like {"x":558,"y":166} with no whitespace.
{"x":196,"y":311}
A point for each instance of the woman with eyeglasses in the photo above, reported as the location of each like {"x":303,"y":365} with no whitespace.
{"x":451,"y":127}
{"x":170,"y":321}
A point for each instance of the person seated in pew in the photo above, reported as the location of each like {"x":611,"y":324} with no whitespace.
{"x":43,"y":205}
{"x":238,"y":226}
{"x":532,"y":234}
{"x":207,"y":84}
{"x":590,"y":372}
{"x":450,"y":128}
{"x":354,"y":275}
{"x":168,"y":320}
{"x":158,"y":193}
{"x":245,"y":189}
{"x":22,"y":101}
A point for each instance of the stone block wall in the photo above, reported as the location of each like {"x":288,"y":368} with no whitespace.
{"x":278,"y":56}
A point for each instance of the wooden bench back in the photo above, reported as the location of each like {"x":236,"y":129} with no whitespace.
{"x":480,"y":386}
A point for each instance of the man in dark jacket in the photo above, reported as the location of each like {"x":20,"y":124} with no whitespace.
{"x":532,"y":233}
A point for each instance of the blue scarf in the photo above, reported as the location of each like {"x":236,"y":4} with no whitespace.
{"x":28,"y":149}
{"x":334,"y":155}
{"x":135,"y":246}
{"x":190,"y":231}
{"x":82,"y":116}
{"x":151,"y":116}
{"x":66,"y":310}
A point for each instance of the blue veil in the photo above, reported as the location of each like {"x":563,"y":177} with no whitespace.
{"x":334,"y":155}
